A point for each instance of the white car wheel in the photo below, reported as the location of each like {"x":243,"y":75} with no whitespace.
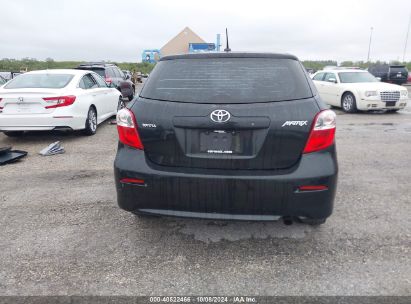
{"x":348,"y":103}
{"x":91,"y":122}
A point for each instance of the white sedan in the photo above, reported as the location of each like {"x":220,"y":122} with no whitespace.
{"x":354,"y":90}
{"x":56,"y":99}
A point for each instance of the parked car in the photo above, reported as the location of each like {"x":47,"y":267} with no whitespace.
{"x":127,"y":73}
{"x":137,"y":77}
{"x":354,"y":90}
{"x":56,"y":99}
{"x":310,"y":71}
{"x":254,"y":148}
{"x":113,"y":76}
{"x":2,"y":81}
{"x":397,"y":74}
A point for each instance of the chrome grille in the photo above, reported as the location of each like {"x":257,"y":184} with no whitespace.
{"x":390,"y":96}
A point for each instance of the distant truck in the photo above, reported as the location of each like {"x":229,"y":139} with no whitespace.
{"x":397,"y":74}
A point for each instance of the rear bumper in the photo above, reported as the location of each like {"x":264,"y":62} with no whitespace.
{"x":126,"y":91}
{"x":40,"y":122}
{"x":227,"y":194}
{"x":397,"y":80}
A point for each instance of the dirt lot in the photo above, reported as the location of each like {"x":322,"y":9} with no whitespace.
{"x":62,"y":232}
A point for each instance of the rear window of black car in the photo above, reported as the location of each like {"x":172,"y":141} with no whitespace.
{"x":396,"y":69}
{"x":227,"y":80}
{"x":100,"y":71}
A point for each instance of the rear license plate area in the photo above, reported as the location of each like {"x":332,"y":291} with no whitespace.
{"x":205,"y":143}
{"x":390,"y":103}
{"x":220,"y":142}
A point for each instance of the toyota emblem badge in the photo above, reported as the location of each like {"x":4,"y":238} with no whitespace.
{"x":220,"y":116}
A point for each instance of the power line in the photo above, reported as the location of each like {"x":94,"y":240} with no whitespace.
{"x":406,"y":40}
{"x":369,"y":45}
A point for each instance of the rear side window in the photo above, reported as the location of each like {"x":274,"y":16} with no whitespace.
{"x":227,"y":80}
{"x":112,"y":73}
{"x":88,"y":82}
{"x":101,"y":83}
{"x":119,"y":73}
{"x":319,"y":77}
{"x":47,"y":81}
{"x":329,"y":76}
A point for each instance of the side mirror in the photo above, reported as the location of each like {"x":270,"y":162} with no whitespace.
{"x":333,"y":80}
{"x":128,"y":76}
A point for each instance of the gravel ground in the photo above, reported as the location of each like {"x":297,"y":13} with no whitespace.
{"x":63,"y":234}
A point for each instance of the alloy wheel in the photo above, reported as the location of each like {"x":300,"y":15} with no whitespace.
{"x":92,"y":119}
{"x":348,"y":103}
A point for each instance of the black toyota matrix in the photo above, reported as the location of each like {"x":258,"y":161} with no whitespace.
{"x":240,"y":136}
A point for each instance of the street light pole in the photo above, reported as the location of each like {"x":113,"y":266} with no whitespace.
{"x":406,"y":40}
{"x":369,"y":45}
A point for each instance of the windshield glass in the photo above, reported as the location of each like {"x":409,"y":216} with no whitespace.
{"x":227,"y":80}
{"x":49,"y":81}
{"x":354,"y":77}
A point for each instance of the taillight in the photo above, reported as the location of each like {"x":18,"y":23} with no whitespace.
{"x":108,"y":80}
{"x":127,"y":129}
{"x":312,"y":188}
{"x":60,"y":101}
{"x":137,"y":181}
{"x":322,"y":133}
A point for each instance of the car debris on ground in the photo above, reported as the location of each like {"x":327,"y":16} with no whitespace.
{"x":54,"y":148}
{"x":7,"y":155}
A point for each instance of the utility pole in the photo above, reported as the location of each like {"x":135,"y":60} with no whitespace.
{"x":369,"y":45}
{"x":406,"y":40}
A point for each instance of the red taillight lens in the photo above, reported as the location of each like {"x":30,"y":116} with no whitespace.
{"x":322,"y":133}
{"x":312,"y":188}
{"x":108,"y":80}
{"x":132,"y":181}
{"x":127,"y":129}
{"x":60,"y":101}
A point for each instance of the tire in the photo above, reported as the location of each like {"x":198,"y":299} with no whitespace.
{"x":91,"y":122}
{"x":393,"y":111}
{"x":313,"y":222}
{"x":121,"y":104}
{"x":348,"y":103}
{"x":14,"y":133}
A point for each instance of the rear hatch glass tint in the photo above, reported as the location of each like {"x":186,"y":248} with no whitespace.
{"x":397,"y":69}
{"x":227,"y":80}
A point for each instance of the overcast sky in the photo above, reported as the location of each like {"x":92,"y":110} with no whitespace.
{"x":119,"y":30}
